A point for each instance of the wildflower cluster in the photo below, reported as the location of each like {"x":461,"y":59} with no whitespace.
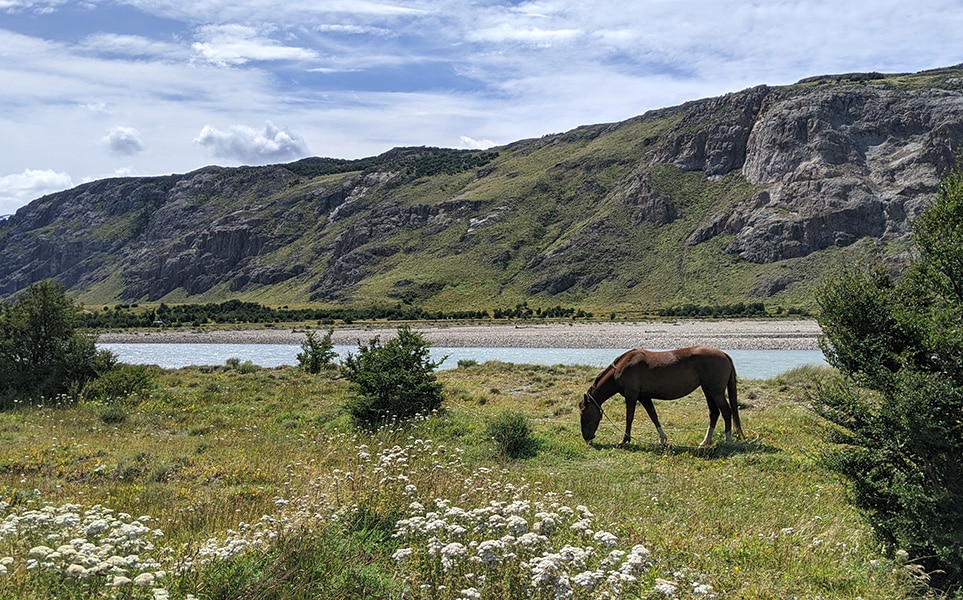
{"x":387,"y":478}
{"x":235,"y":542}
{"x":534,"y":549}
{"x":496,"y":539}
{"x":90,"y":548}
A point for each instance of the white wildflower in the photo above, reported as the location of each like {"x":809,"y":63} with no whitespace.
{"x":606,"y":539}
{"x":588,"y":579}
{"x":583,"y":526}
{"x":402,"y":553}
{"x":455,"y":512}
{"x":489,"y":552}
{"x":516,"y":525}
{"x":78,"y":571}
{"x":575,"y":556}
{"x":40,"y":552}
{"x":701,"y":589}
{"x":613,"y":558}
{"x":532,"y":541}
{"x":450,"y":555}
{"x":665,"y":587}
{"x":96,"y":527}
{"x":545,"y":522}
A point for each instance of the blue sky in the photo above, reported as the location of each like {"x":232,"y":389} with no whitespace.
{"x":98,"y":89}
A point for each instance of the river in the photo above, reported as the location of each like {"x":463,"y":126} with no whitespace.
{"x":750,"y":364}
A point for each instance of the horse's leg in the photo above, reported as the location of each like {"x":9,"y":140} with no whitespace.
{"x":713,"y":419}
{"x":717,"y":405}
{"x":629,"y":417}
{"x":650,"y":408}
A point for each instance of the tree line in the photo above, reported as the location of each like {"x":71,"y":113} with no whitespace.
{"x":238,"y":311}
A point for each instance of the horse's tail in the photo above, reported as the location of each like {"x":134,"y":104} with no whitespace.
{"x":734,"y":397}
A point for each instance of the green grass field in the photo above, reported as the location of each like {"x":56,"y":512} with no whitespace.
{"x":252,"y":483}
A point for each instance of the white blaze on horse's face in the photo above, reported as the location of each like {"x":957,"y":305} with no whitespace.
{"x":590,"y":415}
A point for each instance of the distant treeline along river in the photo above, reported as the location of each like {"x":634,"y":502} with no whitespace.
{"x":750,"y":364}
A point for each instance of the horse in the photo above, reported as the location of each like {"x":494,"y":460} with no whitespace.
{"x":642,"y":375}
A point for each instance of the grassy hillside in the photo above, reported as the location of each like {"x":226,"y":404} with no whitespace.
{"x":599,"y":217}
{"x":262,"y":489}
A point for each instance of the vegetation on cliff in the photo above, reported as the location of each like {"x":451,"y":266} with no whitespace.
{"x":749,"y":197}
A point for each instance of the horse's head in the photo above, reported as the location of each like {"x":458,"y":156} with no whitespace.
{"x":590,"y":415}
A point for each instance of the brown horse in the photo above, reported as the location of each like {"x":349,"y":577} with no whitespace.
{"x":641,"y":376}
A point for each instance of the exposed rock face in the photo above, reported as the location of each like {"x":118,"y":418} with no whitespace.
{"x":821,"y":164}
{"x":362,"y":243}
{"x":839,"y":165}
{"x":647,"y":204}
{"x":713,"y":136}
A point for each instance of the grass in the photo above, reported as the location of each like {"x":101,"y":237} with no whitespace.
{"x":262,"y":489}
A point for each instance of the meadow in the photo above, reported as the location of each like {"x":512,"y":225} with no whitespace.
{"x":242,"y":482}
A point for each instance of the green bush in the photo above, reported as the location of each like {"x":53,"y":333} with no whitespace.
{"x":113,"y":414}
{"x":899,"y":343}
{"x":244,"y":368}
{"x":120,"y":383}
{"x":393,"y":380}
{"x":316,"y":354}
{"x":43,"y":356}
{"x":511,"y":434}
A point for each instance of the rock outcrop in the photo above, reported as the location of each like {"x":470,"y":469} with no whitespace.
{"x":838,"y":164}
{"x":823,"y":164}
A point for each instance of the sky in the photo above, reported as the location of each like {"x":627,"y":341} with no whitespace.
{"x":97,"y":89}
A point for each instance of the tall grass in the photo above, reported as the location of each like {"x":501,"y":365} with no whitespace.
{"x":228,"y":484}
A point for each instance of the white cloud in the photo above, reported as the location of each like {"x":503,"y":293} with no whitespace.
{"x":19,"y":189}
{"x":35,"y":6}
{"x":247,"y":145}
{"x":229,"y":45}
{"x":357,"y":77}
{"x":131,"y":46}
{"x":527,"y":35}
{"x":473,"y":144}
{"x":123,"y":141}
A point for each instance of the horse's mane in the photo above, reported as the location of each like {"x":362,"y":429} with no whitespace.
{"x":609,"y":368}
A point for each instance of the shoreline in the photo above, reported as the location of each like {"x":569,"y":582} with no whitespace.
{"x":733,"y":334}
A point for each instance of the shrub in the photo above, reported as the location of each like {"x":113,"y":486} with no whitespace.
{"x":511,"y":434}
{"x":243,"y":368}
{"x":316,"y":354}
{"x":42,"y":354}
{"x":395,"y":379}
{"x":120,"y":383}
{"x":113,"y":414}
{"x":899,"y":344}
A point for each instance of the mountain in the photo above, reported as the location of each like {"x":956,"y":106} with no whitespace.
{"x":751,"y":196}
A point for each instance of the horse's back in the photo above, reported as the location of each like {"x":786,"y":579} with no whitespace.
{"x":674,"y":373}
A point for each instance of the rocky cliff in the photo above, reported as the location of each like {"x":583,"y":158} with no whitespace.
{"x":755,"y":194}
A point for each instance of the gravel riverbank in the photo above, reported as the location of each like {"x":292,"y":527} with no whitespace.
{"x":734,"y":334}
